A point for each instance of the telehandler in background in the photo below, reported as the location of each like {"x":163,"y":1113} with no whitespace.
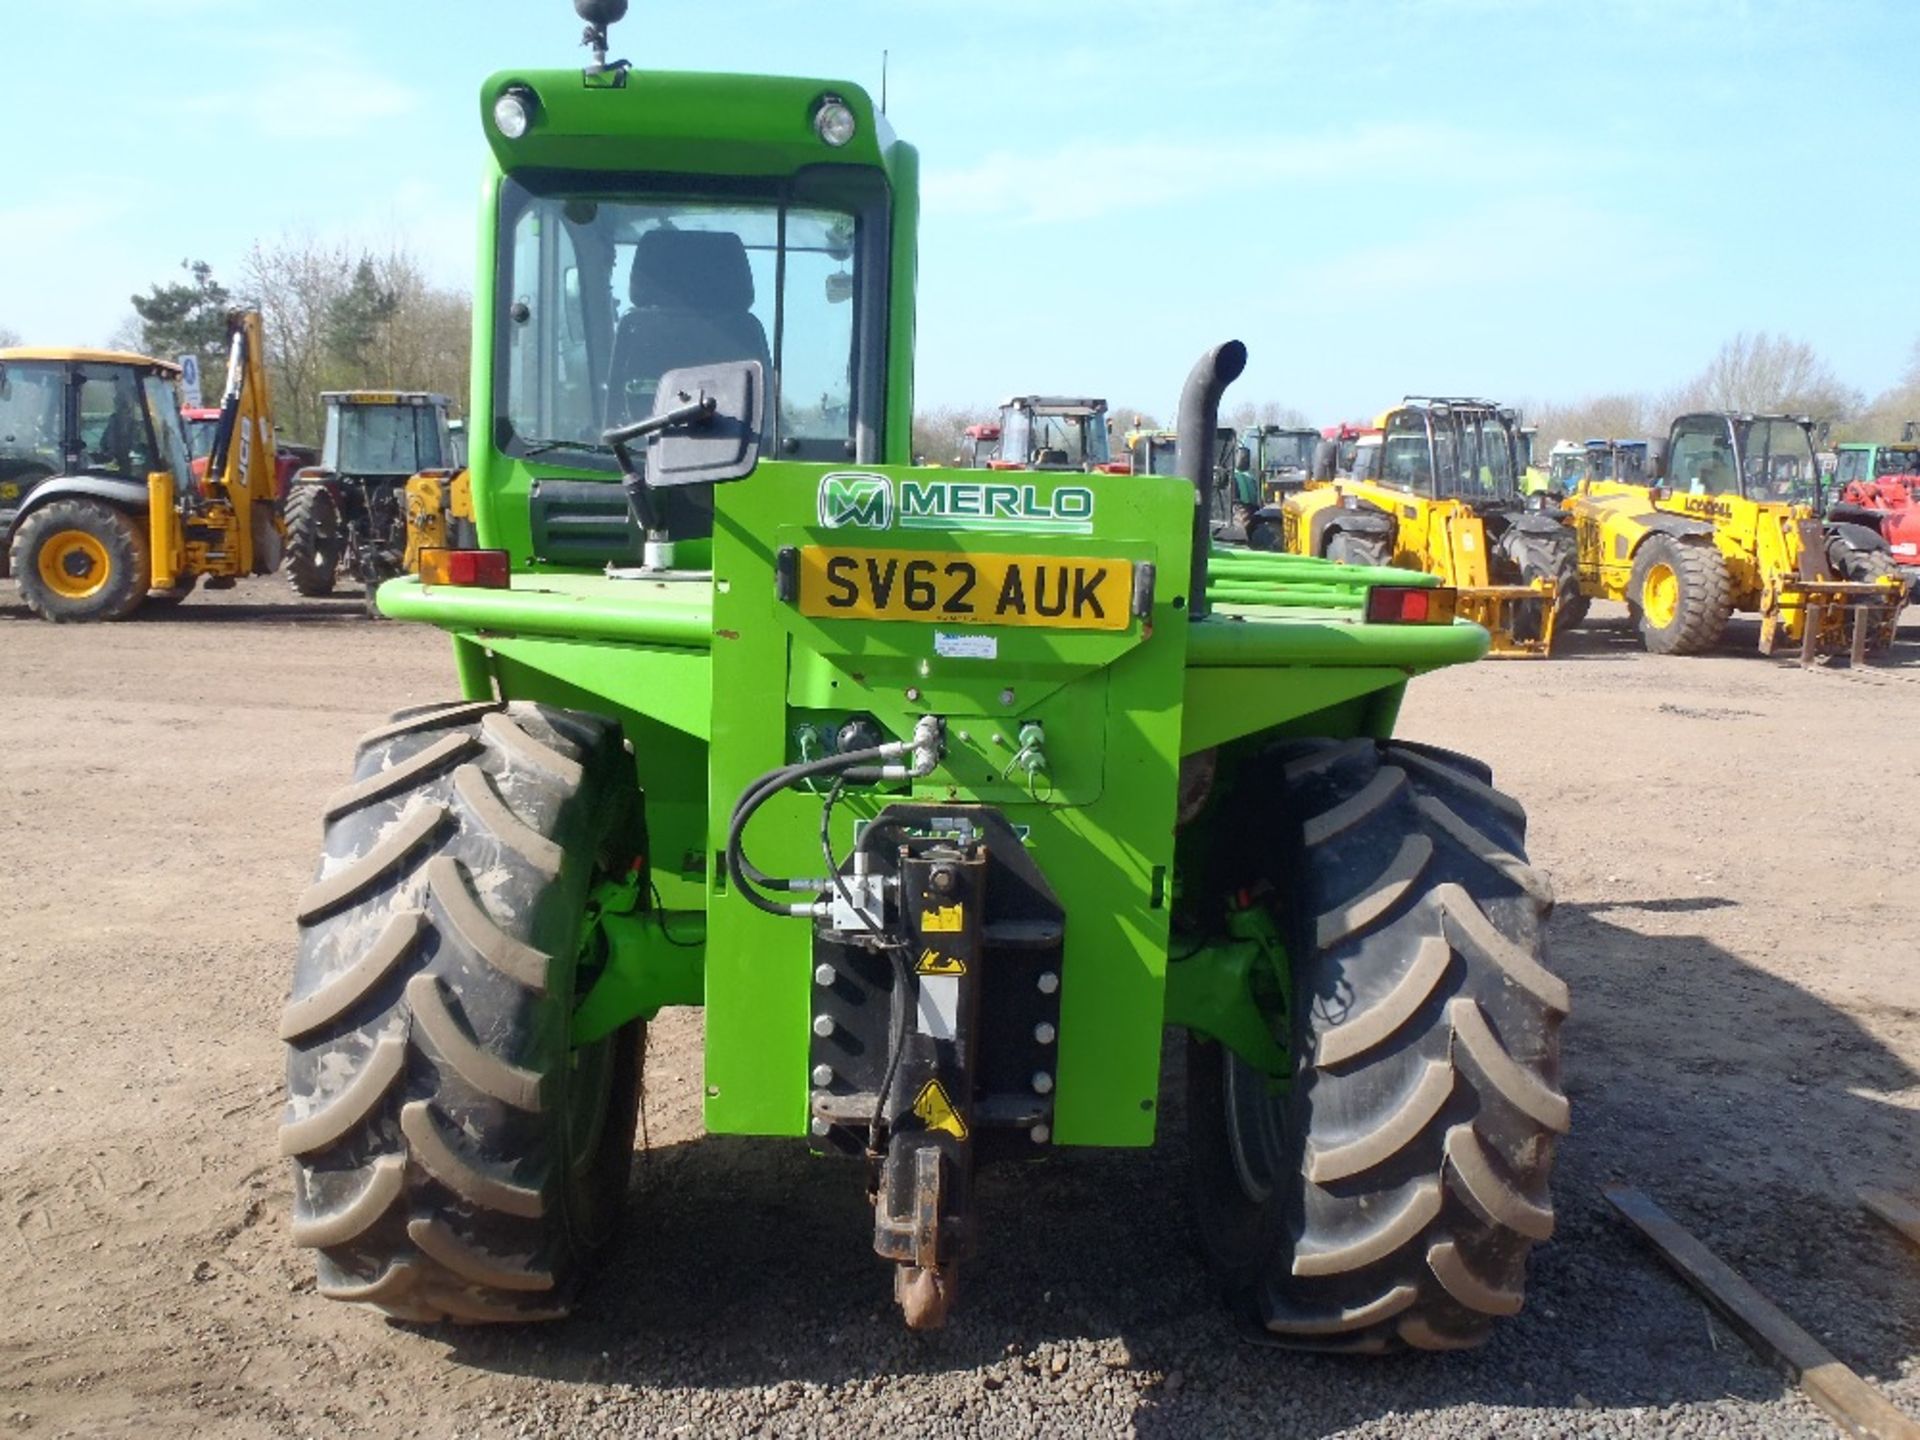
{"x":106,"y":511}
{"x":385,"y":487}
{"x":1878,"y":486}
{"x":1721,"y":524}
{"x":1435,"y":487}
{"x":943,"y":791}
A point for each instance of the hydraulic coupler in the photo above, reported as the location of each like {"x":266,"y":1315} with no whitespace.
{"x":935,"y":1029}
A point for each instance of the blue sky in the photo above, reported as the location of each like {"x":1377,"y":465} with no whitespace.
{"x":1532,"y":201}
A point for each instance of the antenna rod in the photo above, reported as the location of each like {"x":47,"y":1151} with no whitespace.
{"x":883,"y":82}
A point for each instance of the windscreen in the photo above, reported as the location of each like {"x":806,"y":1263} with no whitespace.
{"x":1483,"y":458}
{"x":1287,"y":452}
{"x":382,"y":440}
{"x":1074,"y":440}
{"x":1897,"y":460}
{"x":30,"y":422}
{"x":200,"y":435}
{"x":163,"y":409}
{"x":604,"y":290}
{"x":1777,"y":462}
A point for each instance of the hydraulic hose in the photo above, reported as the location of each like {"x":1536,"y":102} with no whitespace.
{"x":854,"y":765}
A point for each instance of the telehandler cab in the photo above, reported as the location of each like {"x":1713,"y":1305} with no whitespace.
{"x":1878,"y":486}
{"x":386,"y":459}
{"x":1435,"y":487}
{"x":943,"y":792}
{"x":1723,"y":522}
{"x":101,"y":506}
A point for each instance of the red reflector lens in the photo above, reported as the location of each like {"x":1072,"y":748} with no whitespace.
{"x":484,"y":569}
{"x":1409,"y":605}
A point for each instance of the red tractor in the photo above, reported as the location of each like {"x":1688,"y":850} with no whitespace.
{"x":1878,"y":486}
{"x":203,"y":421}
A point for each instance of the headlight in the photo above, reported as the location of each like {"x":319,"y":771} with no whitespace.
{"x":833,"y":121}
{"x":513,"y":113}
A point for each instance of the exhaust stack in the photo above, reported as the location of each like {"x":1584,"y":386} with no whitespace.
{"x":1212,"y":373}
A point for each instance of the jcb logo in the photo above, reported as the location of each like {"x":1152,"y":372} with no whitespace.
{"x":848,"y":497}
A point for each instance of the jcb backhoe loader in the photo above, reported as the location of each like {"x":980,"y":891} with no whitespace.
{"x":1439,"y":492}
{"x":107,"y":512}
{"x":1722,"y":524}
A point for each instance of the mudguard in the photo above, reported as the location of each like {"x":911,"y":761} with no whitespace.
{"x":1681,"y":527}
{"x":123,"y":494}
{"x":1537,"y":522}
{"x":1362,"y":519}
{"x":1859,"y":537}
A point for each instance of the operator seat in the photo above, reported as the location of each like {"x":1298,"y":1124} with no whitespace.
{"x":692,"y":293}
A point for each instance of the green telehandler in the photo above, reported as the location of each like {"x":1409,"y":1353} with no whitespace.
{"x":943,"y":792}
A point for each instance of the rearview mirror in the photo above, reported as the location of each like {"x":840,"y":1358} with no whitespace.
{"x":724,"y":443}
{"x":839,"y":288}
{"x":1243,"y":459}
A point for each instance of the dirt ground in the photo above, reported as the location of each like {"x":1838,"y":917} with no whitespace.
{"x":1732,"y":841}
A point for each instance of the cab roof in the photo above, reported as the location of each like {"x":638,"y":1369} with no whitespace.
{"x":62,"y":355}
{"x":1055,"y":404}
{"x":385,"y":397}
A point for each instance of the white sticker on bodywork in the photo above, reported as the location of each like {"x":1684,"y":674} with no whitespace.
{"x":966,"y":647}
{"x":937,"y":1009}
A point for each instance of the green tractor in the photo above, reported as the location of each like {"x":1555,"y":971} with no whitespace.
{"x":944,"y":793}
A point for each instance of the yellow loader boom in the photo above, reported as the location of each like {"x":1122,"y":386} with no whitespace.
{"x":232,"y":528}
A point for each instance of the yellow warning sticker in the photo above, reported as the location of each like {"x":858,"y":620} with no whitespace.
{"x":932,"y":962}
{"x":943,"y":920}
{"x":936,"y":1112}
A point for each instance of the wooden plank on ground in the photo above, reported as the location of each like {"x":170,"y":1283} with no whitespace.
{"x":1854,"y":1405}
{"x":1899,"y":1212}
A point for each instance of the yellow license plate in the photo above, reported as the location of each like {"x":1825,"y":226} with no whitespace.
{"x":943,"y":588}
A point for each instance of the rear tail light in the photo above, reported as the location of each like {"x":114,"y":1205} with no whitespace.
{"x":1410,"y":605}
{"x":485,"y":569}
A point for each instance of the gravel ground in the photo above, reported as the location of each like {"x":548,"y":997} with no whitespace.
{"x":1731,"y":840}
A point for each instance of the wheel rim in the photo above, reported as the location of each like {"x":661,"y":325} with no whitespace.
{"x":1660,"y":595}
{"x":1256,"y":1131}
{"x":74,"y":565}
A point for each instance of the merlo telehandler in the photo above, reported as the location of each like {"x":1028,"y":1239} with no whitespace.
{"x":102,"y":508}
{"x":1435,"y":487}
{"x":1723,"y":522}
{"x":943,"y":792}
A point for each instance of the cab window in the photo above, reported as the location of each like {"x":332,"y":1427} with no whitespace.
{"x":1852,"y":466}
{"x":1405,"y":458}
{"x":1702,"y":461}
{"x":113,"y":423}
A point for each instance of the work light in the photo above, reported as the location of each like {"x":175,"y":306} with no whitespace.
{"x":513,"y":113}
{"x":833,"y":121}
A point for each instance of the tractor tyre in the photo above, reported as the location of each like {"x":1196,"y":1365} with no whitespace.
{"x":1852,"y":563}
{"x":79,"y":560}
{"x":1389,"y":1193}
{"x":455,"y":1156}
{"x":1559,"y":562}
{"x":1346,"y":547}
{"x":312,"y":551}
{"x":1681,"y":595}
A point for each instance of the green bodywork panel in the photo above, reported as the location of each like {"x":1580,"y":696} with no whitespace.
{"x":717,"y":679}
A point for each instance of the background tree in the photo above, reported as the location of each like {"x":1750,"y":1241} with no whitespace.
{"x":187,"y":318}
{"x":8,"y":336}
{"x":937,"y":432}
{"x":1765,"y":372}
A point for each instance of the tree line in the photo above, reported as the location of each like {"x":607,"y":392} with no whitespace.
{"x":341,"y":318}
{"x":335,"y":317}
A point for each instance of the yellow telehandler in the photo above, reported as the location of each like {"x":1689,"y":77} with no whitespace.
{"x":101,"y":511}
{"x":1438,"y":490}
{"x":1722,"y":523}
